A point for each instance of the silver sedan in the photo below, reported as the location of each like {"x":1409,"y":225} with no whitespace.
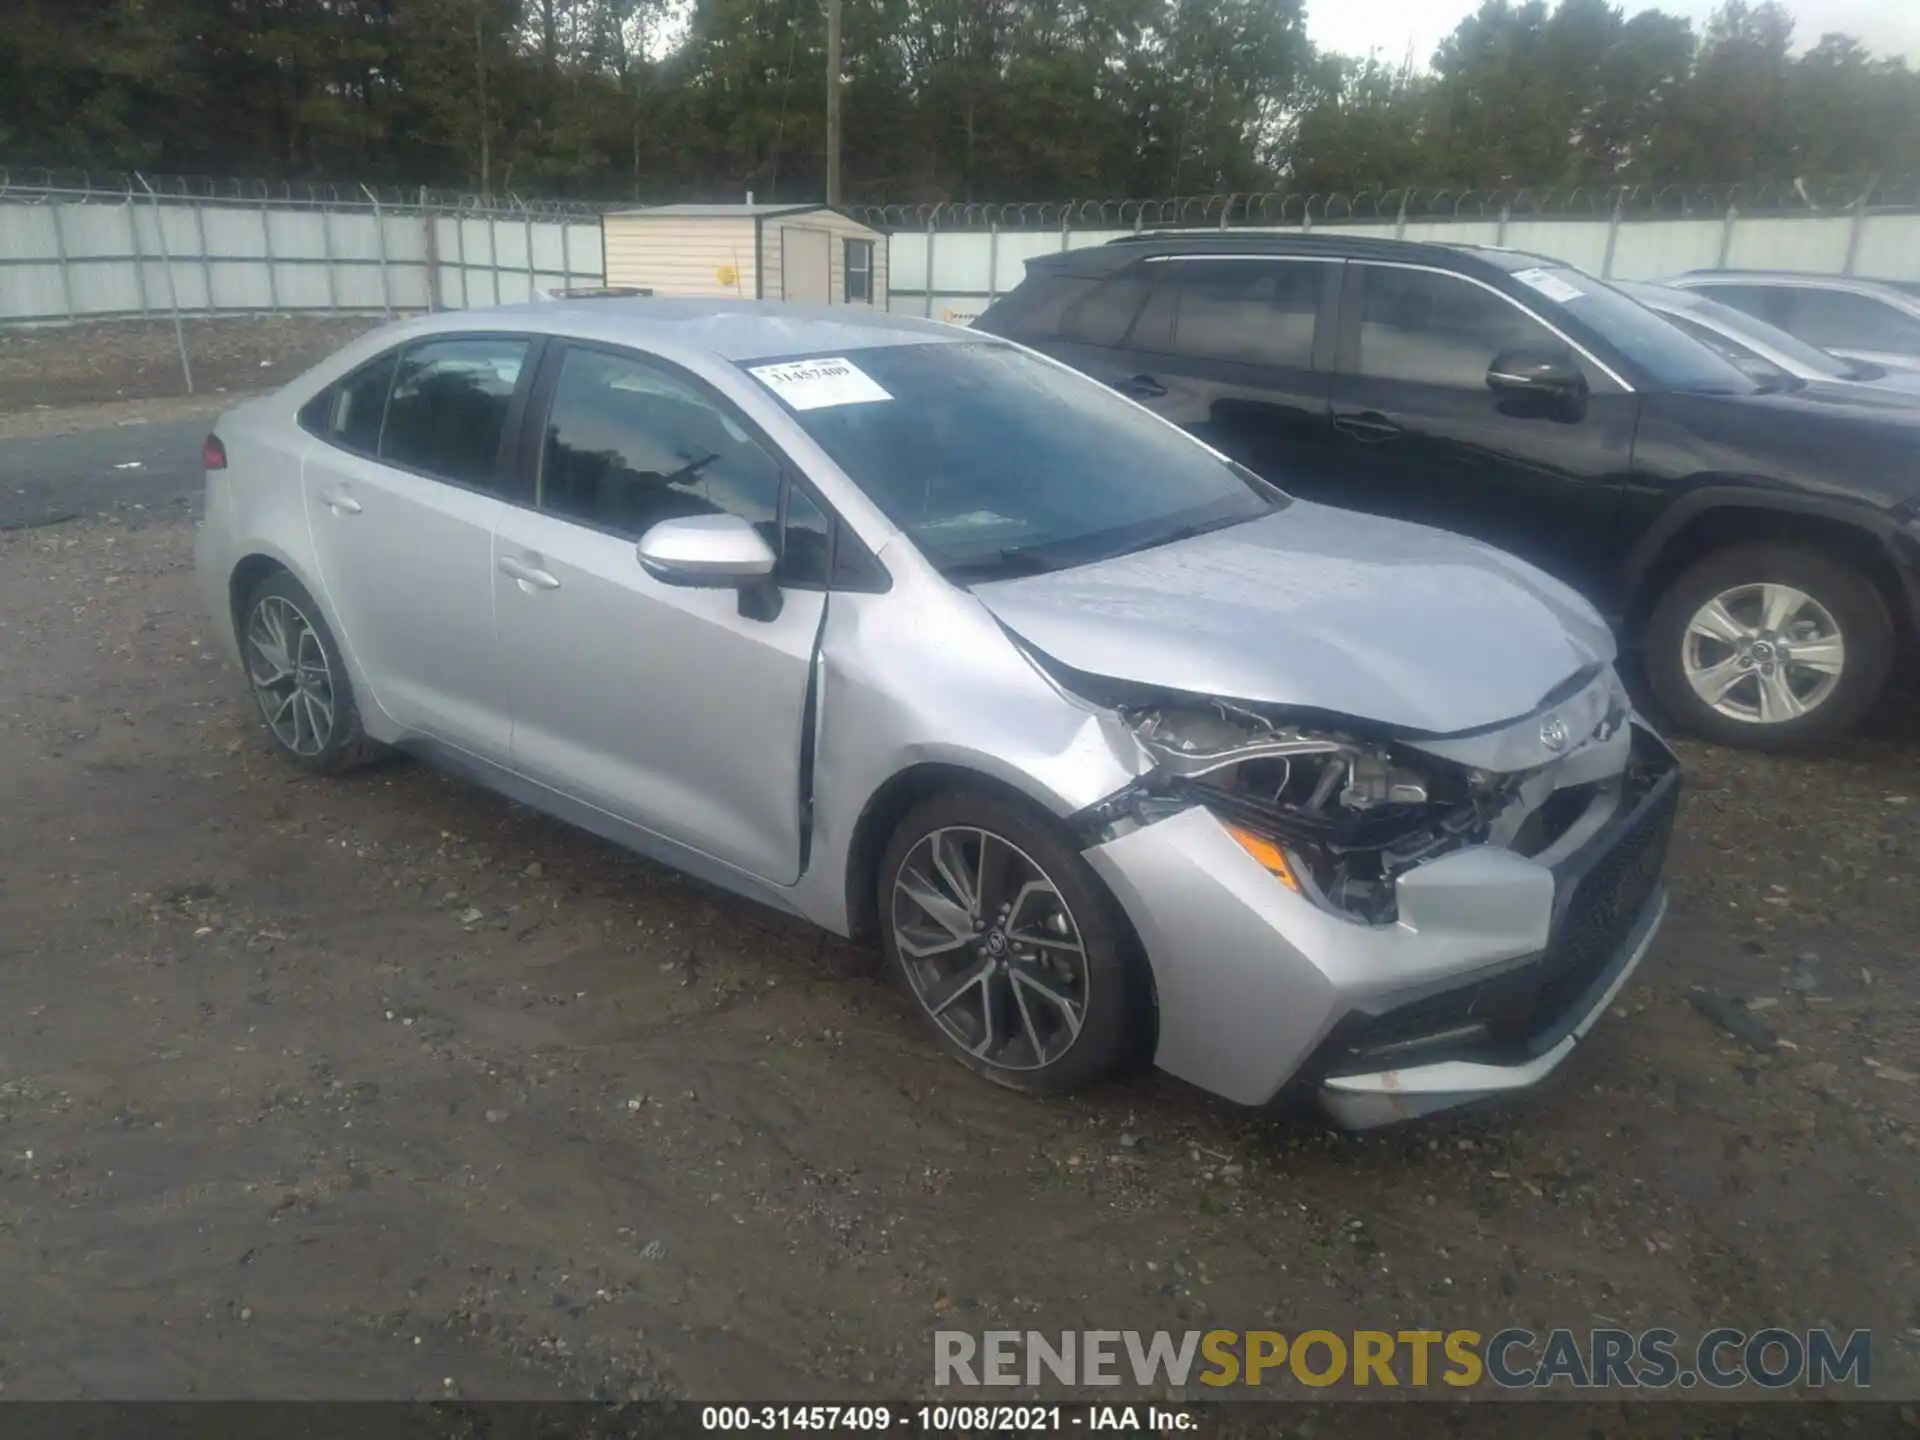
{"x":1121,"y":753}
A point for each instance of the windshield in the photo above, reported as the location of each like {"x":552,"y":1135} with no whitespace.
{"x":1671,"y":358}
{"x":996,"y":463}
{"x":1770,"y":337}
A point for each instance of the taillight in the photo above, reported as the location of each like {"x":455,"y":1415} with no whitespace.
{"x":213,"y":453}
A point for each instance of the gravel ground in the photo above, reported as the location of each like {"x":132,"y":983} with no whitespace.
{"x":353,"y":1088}
{"x":383,"y":1087}
{"x":132,"y":360}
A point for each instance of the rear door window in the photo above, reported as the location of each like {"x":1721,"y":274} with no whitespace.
{"x":1105,"y":313}
{"x":1252,"y":312}
{"x":448,"y":408}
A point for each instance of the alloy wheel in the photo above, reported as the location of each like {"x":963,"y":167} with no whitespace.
{"x":990,"y":948}
{"x":1763,"y":653}
{"x":291,"y":678}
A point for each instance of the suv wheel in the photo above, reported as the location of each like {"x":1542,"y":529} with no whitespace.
{"x":1769,"y":646}
{"x":299,"y":680}
{"x":1013,"y":948}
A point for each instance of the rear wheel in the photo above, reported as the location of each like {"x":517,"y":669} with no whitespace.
{"x":1013,"y":948}
{"x":299,"y":680}
{"x":1769,"y":647}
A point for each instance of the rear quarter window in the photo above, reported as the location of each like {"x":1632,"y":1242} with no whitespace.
{"x":1036,"y":306}
{"x":349,"y":412}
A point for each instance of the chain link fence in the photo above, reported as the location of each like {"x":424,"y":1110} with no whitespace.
{"x":79,"y":247}
{"x":1403,"y":204}
{"x":952,"y":259}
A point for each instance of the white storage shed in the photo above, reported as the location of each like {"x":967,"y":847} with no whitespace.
{"x":757,"y":252}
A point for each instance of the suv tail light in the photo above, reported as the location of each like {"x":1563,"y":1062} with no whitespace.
{"x":213,"y":453}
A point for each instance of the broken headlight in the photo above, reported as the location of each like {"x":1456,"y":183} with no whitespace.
{"x":1335,"y":815}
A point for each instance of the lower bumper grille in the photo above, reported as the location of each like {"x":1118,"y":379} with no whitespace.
{"x":1597,"y":905}
{"x":1601,"y":893}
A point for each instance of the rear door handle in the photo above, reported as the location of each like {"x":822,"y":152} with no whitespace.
{"x":1368,"y":425}
{"x":339,"y":502}
{"x":1140,"y":387}
{"x":531,"y":577}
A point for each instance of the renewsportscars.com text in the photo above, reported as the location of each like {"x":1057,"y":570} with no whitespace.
{"x":1512,"y":1358}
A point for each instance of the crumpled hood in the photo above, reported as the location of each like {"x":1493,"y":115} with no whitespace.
{"x":1321,"y":608}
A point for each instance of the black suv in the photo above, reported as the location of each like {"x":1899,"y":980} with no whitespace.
{"x":1761,"y":544}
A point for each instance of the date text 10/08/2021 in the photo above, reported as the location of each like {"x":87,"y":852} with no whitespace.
{"x":944,"y":1419}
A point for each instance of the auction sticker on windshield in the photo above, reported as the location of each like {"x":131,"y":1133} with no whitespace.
{"x":1551,"y":286}
{"x":818,"y":384}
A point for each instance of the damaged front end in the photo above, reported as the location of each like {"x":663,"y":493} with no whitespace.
{"x":1339,"y":810}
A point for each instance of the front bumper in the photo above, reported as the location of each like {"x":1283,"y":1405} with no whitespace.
{"x":1497,"y":965}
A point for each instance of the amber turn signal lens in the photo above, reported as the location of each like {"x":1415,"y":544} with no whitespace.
{"x":1271,"y":857}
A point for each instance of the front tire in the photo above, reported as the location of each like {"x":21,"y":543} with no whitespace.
{"x":299,"y":680}
{"x":1015,"y":952}
{"x":1769,"y":647}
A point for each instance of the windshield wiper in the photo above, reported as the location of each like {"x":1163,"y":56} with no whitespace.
{"x":1179,"y":533}
{"x":1009,"y":561}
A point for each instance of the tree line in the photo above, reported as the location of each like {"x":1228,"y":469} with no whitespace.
{"x":988,"y":100}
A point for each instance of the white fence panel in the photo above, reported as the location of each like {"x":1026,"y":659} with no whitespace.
{"x":1577,"y":242}
{"x":66,"y":260}
{"x":1653,"y":249}
{"x":971,"y":267}
{"x":1768,"y":243}
{"x":1889,"y":247}
{"x":103,"y":259}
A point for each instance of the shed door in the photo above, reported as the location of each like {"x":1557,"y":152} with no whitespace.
{"x":806,"y":261}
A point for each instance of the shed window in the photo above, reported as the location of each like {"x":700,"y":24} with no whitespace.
{"x":859,"y":266}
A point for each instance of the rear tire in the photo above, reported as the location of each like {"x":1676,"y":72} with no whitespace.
{"x":1769,"y":647}
{"x":299,"y":680}
{"x":1018,"y":956}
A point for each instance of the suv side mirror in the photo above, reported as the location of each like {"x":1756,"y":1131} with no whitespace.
{"x":1535,"y":372}
{"x":710,"y":551}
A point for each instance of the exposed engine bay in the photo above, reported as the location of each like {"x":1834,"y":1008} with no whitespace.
{"x":1352,"y":811}
{"x":1356,"y":813}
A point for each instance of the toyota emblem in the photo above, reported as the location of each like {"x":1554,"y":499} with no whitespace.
{"x":1554,"y":733}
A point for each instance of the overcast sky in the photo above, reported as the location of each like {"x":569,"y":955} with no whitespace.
{"x":1887,"y":27}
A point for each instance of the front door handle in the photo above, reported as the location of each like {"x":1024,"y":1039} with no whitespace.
{"x":1369,"y":425}
{"x":1140,"y":387}
{"x":531,"y":577}
{"x":339,"y":502}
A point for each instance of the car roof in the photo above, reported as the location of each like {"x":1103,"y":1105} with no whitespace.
{"x":732,"y":330}
{"x":1659,"y":294}
{"x":1862,"y":283}
{"x":1095,"y":260}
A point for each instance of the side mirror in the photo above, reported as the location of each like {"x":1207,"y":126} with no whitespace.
{"x":711,"y":551}
{"x":1535,"y":372}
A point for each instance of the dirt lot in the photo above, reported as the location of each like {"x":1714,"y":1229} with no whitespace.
{"x":140,"y":360}
{"x":383,"y":1087}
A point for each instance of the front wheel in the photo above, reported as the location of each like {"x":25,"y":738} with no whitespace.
{"x":1769,"y":647}
{"x":1014,"y":950}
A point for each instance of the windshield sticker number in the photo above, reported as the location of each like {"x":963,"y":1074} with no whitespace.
{"x":1551,"y":286}
{"x":819,"y":384}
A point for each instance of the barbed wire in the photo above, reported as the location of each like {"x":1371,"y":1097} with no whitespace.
{"x":1422,"y":204}
{"x":38,"y":185}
